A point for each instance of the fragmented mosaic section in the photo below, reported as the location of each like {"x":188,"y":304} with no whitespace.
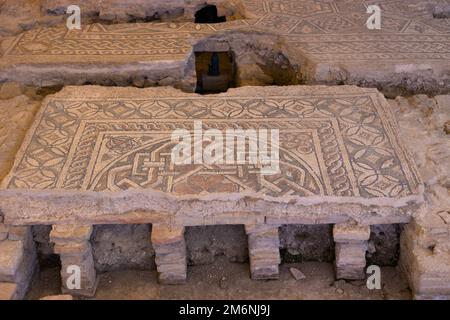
{"x":99,"y":40}
{"x":318,"y":38}
{"x":324,"y":42}
{"x":332,"y":142}
{"x":324,"y":31}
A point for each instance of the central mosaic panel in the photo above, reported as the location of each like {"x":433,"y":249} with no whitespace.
{"x":138,"y":154}
{"x":341,"y":145}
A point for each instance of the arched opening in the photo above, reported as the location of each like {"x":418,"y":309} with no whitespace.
{"x":208,"y":14}
{"x":215,"y":71}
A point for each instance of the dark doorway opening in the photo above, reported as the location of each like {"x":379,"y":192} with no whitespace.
{"x":208,"y":14}
{"x":215,"y":71}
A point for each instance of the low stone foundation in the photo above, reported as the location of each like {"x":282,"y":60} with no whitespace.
{"x":112,"y":247}
{"x":307,"y":195}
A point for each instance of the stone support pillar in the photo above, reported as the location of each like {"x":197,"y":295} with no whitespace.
{"x":73,"y":246}
{"x":351,"y":246}
{"x":264,"y":251}
{"x":170,"y":250}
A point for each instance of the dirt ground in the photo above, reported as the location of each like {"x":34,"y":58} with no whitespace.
{"x":230,"y":281}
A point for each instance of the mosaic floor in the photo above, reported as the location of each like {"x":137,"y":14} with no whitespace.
{"x":336,"y":145}
{"x":311,"y":154}
{"x":323,"y":30}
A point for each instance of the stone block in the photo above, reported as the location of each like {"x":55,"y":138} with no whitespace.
{"x":10,"y":90}
{"x":60,"y":297}
{"x":16,"y":233}
{"x":70,"y":233}
{"x":345,"y":232}
{"x":11,"y":256}
{"x":165,"y":236}
{"x":3,"y":232}
{"x":350,"y":261}
{"x":351,"y":254}
{"x":8,"y":291}
{"x":18,"y":262}
{"x":72,"y":248}
{"x":426,"y":264}
{"x":170,"y":258}
{"x":168,"y":278}
{"x":172,"y":268}
{"x":264,"y":272}
{"x":26,"y":269}
{"x":264,"y":251}
{"x":89,"y":280}
{"x":170,"y":253}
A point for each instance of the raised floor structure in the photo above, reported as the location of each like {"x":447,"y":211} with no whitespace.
{"x":104,"y":156}
{"x":308,"y":154}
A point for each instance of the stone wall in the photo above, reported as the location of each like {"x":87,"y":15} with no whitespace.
{"x":204,"y":244}
{"x":384,"y":245}
{"x":118,"y":247}
{"x":17,"y":111}
{"x":424,"y":255}
{"x":17,"y":261}
{"x":306,"y":243}
{"x":144,"y":10}
{"x":21,"y":15}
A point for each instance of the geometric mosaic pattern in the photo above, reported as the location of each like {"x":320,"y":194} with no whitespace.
{"x":322,"y":30}
{"x":338,"y":142}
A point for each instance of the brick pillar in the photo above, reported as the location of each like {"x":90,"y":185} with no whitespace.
{"x":73,"y":246}
{"x":264,"y":251}
{"x":170,"y":250}
{"x":351,"y":246}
